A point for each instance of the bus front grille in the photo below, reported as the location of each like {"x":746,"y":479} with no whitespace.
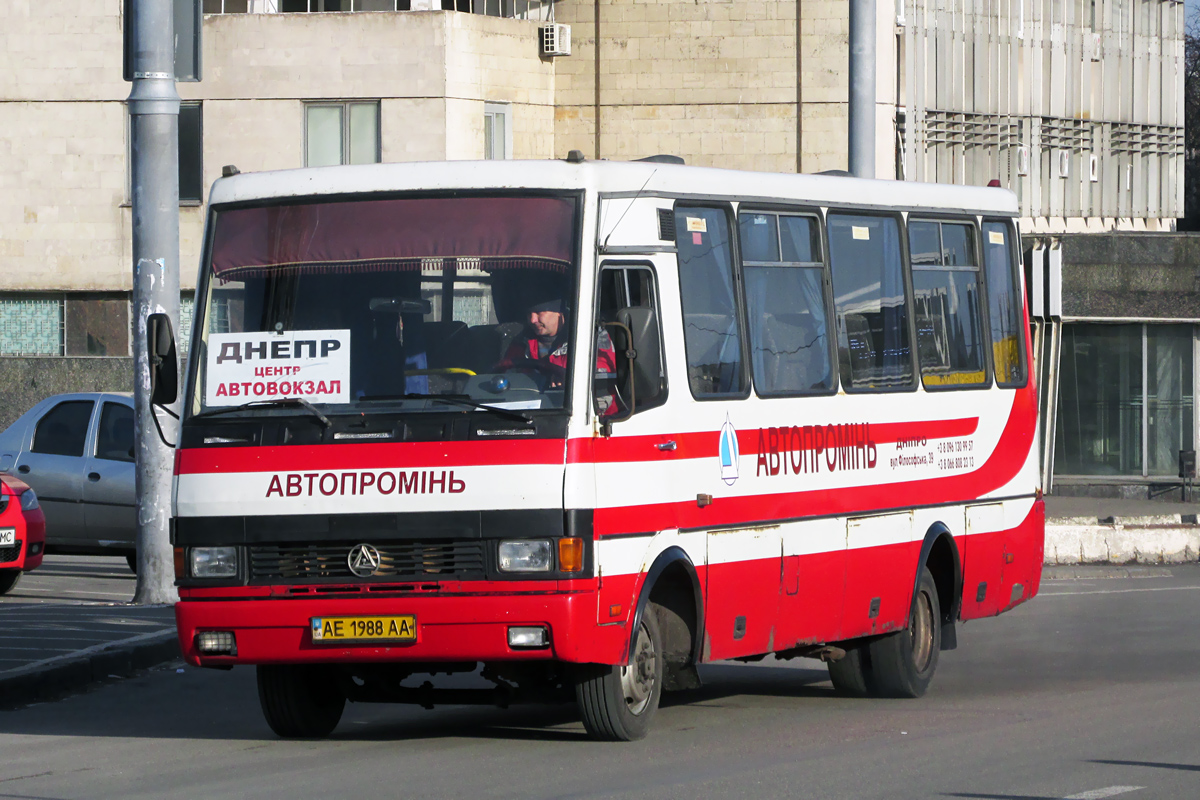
{"x":441,"y":560}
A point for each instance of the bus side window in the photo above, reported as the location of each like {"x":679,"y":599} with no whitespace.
{"x":712,"y":330}
{"x":785,"y":303}
{"x":947,"y":304}
{"x":1005,"y":304}
{"x":874,"y":351}
{"x":627,"y":295}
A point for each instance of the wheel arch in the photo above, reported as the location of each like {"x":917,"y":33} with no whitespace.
{"x":673,"y":569}
{"x":940,"y":554}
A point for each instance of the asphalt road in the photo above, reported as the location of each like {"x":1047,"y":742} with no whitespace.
{"x":1089,"y":691}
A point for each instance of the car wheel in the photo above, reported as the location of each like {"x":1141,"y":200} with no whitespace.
{"x":9,"y":578}
{"x":618,"y":702}
{"x":903,"y":663}
{"x":300,"y":701}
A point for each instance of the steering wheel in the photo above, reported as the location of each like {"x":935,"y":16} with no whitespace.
{"x":553,"y":372}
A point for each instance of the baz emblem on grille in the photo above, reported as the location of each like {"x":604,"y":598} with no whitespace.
{"x":363,"y":560}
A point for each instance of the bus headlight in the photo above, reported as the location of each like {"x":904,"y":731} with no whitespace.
{"x":526,"y":556}
{"x":213,"y":562}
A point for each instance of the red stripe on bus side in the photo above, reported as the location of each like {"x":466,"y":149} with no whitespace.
{"x":368,"y":456}
{"x":705,"y":444}
{"x":1005,"y":462}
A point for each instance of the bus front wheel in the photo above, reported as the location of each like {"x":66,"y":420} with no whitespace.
{"x":618,"y":702}
{"x":903,"y":663}
{"x":300,"y":701}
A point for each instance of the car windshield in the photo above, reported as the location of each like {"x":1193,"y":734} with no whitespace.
{"x":367,"y":304}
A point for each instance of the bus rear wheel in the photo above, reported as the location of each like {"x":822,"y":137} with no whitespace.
{"x":300,"y":701}
{"x":618,"y":702}
{"x":903,"y":663}
{"x":850,"y":674}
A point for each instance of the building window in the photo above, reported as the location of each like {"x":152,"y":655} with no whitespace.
{"x":191,"y":154}
{"x":341,"y":133}
{"x":497,"y":131}
{"x":226,"y":6}
{"x":520,"y":9}
{"x":316,"y":6}
{"x":31,"y":326}
{"x":1125,"y":400}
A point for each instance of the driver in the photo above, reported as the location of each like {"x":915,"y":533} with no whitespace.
{"x":546,"y":342}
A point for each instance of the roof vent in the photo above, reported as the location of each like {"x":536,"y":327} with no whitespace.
{"x":575,"y":157}
{"x":229,"y":170}
{"x":663,"y":159}
{"x":666,"y":224}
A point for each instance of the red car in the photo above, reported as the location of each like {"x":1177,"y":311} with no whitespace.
{"x":22,"y":531}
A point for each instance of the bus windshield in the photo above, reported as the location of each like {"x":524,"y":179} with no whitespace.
{"x":386,"y":303}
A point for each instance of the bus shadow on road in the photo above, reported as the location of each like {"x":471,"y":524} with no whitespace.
{"x":162,"y":704}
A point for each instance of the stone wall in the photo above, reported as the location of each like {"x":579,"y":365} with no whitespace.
{"x":27,"y":381}
{"x":1131,"y":276}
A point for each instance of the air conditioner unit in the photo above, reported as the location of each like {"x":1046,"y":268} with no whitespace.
{"x":1096,"y":41}
{"x":556,"y":40}
{"x":1022,"y":161}
{"x":1094,"y":168}
{"x":1064,"y":163}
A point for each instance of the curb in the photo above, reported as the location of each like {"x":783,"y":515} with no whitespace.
{"x":73,"y":672}
{"x":1167,"y":539}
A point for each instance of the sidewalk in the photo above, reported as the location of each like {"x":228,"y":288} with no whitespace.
{"x":1091,"y":530}
{"x":63,"y":628}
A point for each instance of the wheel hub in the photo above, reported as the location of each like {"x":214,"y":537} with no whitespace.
{"x":638,"y":677}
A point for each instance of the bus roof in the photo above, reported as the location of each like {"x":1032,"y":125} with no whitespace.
{"x":616,"y":178}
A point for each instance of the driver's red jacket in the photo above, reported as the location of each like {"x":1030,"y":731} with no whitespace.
{"x":527,"y":349}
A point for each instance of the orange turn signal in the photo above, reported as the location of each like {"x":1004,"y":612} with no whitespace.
{"x":180,"y":564}
{"x":570,"y":554}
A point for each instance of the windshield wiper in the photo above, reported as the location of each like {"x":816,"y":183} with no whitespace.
{"x":464,"y":400}
{"x":283,"y":401}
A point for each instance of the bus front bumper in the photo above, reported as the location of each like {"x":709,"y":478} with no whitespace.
{"x":272,"y":630}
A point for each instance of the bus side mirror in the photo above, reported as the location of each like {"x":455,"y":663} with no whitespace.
{"x":164,"y":365}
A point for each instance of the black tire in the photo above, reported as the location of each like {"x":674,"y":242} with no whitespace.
{"x":618,"y":702}
{"x":850,"y":674}
{"x":300,"y":701}
{"x":131,"y":560}
{"x":903,"y":663}
{"x":9,"y":578}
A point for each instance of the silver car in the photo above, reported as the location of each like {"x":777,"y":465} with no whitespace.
{"x":76,"y":451}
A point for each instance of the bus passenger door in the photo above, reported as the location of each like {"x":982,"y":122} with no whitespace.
{"x":743,"y":592}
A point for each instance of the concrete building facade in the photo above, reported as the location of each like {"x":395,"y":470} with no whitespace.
{"x":1076,"y":105}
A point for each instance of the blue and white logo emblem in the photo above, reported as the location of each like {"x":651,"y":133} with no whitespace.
{"x":729,"y":452}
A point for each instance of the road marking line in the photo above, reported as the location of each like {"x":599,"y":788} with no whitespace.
{"x":1123,"y":591}
{"x":1098,"y":794}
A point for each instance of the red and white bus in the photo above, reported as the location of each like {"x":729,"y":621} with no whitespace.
{"x":802,"y":424}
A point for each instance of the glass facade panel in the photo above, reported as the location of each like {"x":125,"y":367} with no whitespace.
{"x":1169,"y":396}
{"x":31,"y":326}
{"x":1099,"y":430}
